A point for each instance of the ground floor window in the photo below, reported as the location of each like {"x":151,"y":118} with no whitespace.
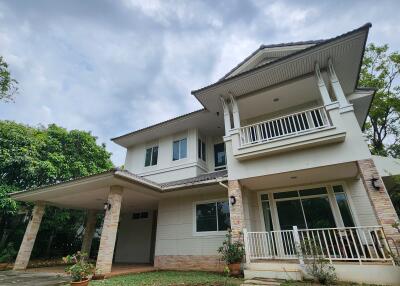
{"x":307,"y":208}
{"x":212,"y":216}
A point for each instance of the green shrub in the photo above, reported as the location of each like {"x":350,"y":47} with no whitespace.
{"x":232,"y":252}
{"x":8,"y":254}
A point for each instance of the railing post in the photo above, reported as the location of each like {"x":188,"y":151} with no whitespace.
{"x":296,"y":238}
{"x":246,"y":245}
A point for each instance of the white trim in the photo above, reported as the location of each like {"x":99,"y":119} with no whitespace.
{"x":332,"y":201}
{"x":207,"y":233}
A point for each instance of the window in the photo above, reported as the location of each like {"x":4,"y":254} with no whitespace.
{"x":141,"y":215}
{"x":343,"y":205}
{"x":213,"y":216}
{"x":201,"y":149}
{"x":151,"y":156}
{"x":219,"y":156}
{"x":307,"y":208}
{"x":266,"y":212}
{"x":179,"y":149}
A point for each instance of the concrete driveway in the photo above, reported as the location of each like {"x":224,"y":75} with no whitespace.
{"x":25,"y":278}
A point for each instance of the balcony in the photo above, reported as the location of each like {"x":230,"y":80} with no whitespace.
{"x":303,"y":129}
{"x":286,"y":126}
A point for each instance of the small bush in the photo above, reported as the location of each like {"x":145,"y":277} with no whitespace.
{"x":8,"y":254}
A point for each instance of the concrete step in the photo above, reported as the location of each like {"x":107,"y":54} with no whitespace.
{"x":261,"y":282}
{"x":273,"y":274}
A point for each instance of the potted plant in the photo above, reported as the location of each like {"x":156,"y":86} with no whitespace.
{"x":232,"y":253}
{"x":80,"y":268}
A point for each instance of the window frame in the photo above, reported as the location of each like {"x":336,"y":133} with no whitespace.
{"x":221,"y":167}
{"x":179,"y":148}
{"x":208,"y":233}
{"x":201,"y":152}
{"x":151,"y":156}
{"x":331,"y":198}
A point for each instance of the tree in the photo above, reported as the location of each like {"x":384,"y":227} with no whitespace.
{"x":381,"y":70}
{"x":32,"y":157}
{"x":8,"y":85}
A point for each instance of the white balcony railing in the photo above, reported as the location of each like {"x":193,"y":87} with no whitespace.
{"x":286,"y":126}
{"x":361,"y":244}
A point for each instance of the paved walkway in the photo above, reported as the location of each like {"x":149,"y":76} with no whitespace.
{"x":27,"y":278}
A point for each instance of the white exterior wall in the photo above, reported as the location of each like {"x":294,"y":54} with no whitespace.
{"x":352,"y":149}
{"x":251,"y":211}
{"x":167,"y":169}
{"x":360,"y":203}
{"x":134,"y":239}
{"x":175,"y":227}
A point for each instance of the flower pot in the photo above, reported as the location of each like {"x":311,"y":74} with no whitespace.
{"x":234,"y":269}
{"x":80,"y":283}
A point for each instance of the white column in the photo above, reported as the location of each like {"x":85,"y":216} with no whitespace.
{"x":235,"y":112}
{"x":337,"y":88}
{"x":326,"y":99}
{"x":109,"y":231}
{"x":227,"y":117}
{"x":28,"y":241}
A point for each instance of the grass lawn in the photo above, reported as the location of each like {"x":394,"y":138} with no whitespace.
{"x":169,"y":278}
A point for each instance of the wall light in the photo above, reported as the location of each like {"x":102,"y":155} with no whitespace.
{"x":232,"y":199}
{"x":376,"y":183}
{"x":107,"y":206}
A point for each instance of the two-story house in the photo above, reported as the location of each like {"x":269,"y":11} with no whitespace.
{"x":277,"y":155}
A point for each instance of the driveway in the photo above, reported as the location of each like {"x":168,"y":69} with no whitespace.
{"x":25,"y":278}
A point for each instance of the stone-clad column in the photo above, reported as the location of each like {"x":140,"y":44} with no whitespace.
{"x":90,"y":228}
{"x":236,"y":210}
{"x":109,"y":231}
{"x":380,"y":200}
{"x":28,"y":241}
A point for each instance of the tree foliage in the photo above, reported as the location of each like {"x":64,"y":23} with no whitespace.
{"x":32,"y":157}
{"x":8,"y":85}
{"x":381,"y":70}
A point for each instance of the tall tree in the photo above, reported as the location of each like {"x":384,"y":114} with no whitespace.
{"x":8,"y":85}
{"x":32,"y":157}
{"x":381,"y":70}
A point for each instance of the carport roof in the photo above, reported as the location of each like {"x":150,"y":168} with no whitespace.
{"x":129,"y":177}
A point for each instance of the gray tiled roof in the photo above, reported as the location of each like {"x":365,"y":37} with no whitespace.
{"x":197,"y":179}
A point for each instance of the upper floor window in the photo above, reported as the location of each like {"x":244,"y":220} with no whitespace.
{"x":201,"y":149}
{"x":151,"y":156}
{"x":179,"y":149}
{"x":219,"y":156}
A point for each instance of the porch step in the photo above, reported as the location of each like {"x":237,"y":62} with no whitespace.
{"x":262,"y":282}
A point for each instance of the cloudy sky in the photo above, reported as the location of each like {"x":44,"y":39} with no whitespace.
{"x":115,"y":66}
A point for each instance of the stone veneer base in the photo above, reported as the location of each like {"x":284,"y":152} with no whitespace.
{"x":189,"y":262}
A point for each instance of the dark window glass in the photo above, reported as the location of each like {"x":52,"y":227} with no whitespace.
{"x":267,"y":216}
{"x":318,"y":212}
{"x":311,"y":192}
{"x":264,"y":197}
{"x":212,"y":217}
{"x":219,"y":155}
{"x":144,"y":215}
{"x":201,"y":149}
{"x":151,"y":156}
{"x":285,"y":195}
{"x":290,"y":214}
{"x":338,"y":189}
{"x":344,"y":210}
{"x":148,"y":157}
{"x":206,"y":217}
{"x":154,"y":157}
{"x":175,"y":152}
{"x":224,"y":221}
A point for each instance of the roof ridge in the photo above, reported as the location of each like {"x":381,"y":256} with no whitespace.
{"x":365,"y":26}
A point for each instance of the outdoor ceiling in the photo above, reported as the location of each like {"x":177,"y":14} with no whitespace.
{"x":302,"y":177}
{"x":294,"y":94}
